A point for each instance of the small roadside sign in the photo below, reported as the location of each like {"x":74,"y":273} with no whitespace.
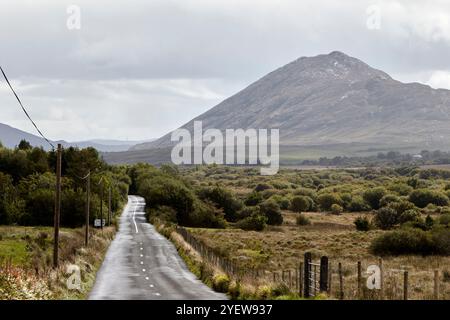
{"x":97,"y":223}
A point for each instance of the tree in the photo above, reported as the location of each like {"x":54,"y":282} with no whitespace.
{"x":24,"y":145}
{"x":224,"y":199}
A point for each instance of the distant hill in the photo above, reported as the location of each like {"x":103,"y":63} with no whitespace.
{"x":331,"y":101}
{"x":10,"y":137}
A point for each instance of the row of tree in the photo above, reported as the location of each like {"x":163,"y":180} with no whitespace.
{"x":28,"y":183}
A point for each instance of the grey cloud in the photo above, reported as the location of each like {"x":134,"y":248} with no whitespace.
{"x":150,"y":66}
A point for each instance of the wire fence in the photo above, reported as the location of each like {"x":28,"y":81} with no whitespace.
{"x":336,"y":280}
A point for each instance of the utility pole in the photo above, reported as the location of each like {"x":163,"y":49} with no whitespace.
{"x":57,"y":207}
{"x":109,"y":206}
{"x":88,"y":191}
{"x":101,"y":205}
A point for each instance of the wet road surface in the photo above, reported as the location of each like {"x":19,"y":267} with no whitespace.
{"x":142,"y":264}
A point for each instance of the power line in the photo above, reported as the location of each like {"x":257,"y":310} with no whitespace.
{"x":25,"y":111}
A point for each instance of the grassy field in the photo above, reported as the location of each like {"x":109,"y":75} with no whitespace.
{"x":266,"y":255}
{"x":26,"y":255}
{"x":279,"y":249}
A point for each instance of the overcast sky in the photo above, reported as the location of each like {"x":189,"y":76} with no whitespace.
{"x":138,"y":69}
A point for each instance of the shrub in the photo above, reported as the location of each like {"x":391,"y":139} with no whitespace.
{"x":362,"y":223}
{"x":404,"y":241}
{"x":423,"y":197}
{"x":256,"y":222}
{"x":358,"y":204}
{"x":284,"y":203}
{"x":401,"y":189}
{"x":444,"y":219}
{"x":374,"y":196}
{"x":221,"y":283}
{"x":387,"y":199}
{"x":300,"y":204}
{"x":326,"y":200}
{"x":272,"y":211}
{"x":386,"y":218}
{"x":224,"y":199}
{"x":336,"y":209}
{"x":395,"y":213}
{"x":262,"y":186}
{"x":302,"y":220}
{"x":264,"y":293}
{"x":253,"y":199}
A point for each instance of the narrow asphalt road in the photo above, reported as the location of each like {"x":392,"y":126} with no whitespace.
{"x":142,"y":264}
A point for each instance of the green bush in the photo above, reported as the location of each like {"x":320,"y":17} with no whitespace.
{"x":262,"y":186}
{"x":389,"y":198}
{"x":272,"y":211}
{"x":444,"y":219}
{"x":326,"y":201}
{"x":256,"y":222}
{"x":300,"y":204}
{"x":358,"y":204}
{"x":412,"y":241}
{"x":223,"y":199}
{"x":423,"y":197}
{"x":336,"y":209}
{"x":404,"y":241}
{"x":362,"y":223}
{"x":395,"y":213}
{"x":302,"y":220}
{"x":374,"y":196}
{"x":253,"y":199}
{"x":221,"y":283}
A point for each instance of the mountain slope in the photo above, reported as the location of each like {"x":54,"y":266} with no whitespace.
{"x":334,"y":99}
{"x":10,"y":137}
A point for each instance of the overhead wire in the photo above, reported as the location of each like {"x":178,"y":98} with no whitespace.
{"x":25,"y":111}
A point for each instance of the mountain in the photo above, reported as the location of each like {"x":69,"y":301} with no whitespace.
{"x":334,"y":100}
{"x":10,"y":137}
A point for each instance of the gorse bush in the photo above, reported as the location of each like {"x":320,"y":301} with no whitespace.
{"x":423,"y":197}
{"x":394,"y":214}
{"x":256,"y":222}
{"x":327,"y":200}
{"x":253,"y":199}
{"x":407,"y":241}
{"x":224,"y":199}
{"x":336,"y":209}
{"x":374,"y":196}
{"x":271,"y":210}
{"x":358,"y":204}
{"x":302,"y":220}
{"x":412,"y":241}
{"x":300,"y":204}
{"x":362,"y":223}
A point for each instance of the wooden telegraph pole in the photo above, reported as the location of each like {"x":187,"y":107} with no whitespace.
{"x":88,"y":196}
{"x":57,"y":207}
{"x":109,"y":206}
{"x":101,"y":205}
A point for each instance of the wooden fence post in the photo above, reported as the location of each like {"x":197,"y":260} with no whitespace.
{"x":436,"y":284}
{"x":300,"y":279}
{"x":307,"y":274}
{"x":290,"y":279}
{"x":341,"y":282}
{"x":405,"y":285}
{"x":359,"y":279}
{"x":330,"y":280}
{"x":380,"y":262}
{"x":323,"y":274}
